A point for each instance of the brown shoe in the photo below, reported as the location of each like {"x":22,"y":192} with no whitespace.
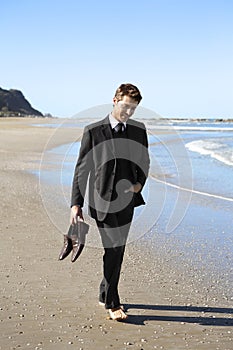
{"x":66,"y":249}
{"x":77,"y":233}
{"x":77,"y":248}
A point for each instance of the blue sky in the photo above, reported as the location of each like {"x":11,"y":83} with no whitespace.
{"x":67,"y":56}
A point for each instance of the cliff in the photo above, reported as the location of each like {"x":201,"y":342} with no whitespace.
{"x":13,"y":102}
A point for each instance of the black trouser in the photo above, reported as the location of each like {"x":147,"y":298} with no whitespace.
{"x":114,"y":232}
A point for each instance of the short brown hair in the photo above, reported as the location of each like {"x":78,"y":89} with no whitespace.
{"x":128,"y":90}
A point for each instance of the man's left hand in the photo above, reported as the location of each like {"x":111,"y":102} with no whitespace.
{"x":134,"y":188}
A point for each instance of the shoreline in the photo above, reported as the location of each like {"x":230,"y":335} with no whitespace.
{"x":47,"y":304}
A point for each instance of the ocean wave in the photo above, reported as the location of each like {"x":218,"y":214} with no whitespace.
{"x":203,"y":128}
{"x":188,"y":128}
{"x":219,"y":150}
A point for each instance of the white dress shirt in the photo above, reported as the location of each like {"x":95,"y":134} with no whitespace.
{"x":114,"y":122}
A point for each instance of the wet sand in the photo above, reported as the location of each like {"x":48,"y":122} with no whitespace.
{"x":47,"y":304}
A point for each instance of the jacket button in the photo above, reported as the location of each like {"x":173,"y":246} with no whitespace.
{"x":110,"y":191}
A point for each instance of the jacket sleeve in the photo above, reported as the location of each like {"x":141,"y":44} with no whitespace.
{"x":82,"y":169}
{"x":143,"y":169}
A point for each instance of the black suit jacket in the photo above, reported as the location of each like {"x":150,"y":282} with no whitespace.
{"x":97,"y":160}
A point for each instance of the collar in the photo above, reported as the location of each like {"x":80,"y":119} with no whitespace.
{"x":114,"y":122}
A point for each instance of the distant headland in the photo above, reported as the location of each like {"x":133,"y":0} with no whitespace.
{"x":14,"y":104}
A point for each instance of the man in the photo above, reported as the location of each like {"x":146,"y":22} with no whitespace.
{"x":114,"y":156}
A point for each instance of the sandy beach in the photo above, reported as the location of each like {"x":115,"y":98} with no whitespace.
{"x":48,"y":304}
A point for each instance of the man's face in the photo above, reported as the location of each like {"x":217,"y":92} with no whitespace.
{"x":124,"y":108}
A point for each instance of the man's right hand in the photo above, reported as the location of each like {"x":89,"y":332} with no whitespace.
{"x":76,"y":212}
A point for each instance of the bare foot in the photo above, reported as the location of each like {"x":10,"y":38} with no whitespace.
{"x":117,"y":314}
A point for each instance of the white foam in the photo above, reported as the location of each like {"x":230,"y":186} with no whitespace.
{"x":221,"y":151}
{"x":187,"y":128}
{"x":203,"y":128}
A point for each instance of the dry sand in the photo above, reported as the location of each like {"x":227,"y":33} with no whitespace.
{"x":47,"y":304}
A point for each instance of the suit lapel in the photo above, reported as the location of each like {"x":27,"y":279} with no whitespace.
{"x":131,"y":136}
{"x":107,"y":132}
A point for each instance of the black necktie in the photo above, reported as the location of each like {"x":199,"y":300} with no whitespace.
{"x":119,"y":127}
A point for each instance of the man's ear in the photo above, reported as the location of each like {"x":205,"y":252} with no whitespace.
{"x":114,"y":101}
